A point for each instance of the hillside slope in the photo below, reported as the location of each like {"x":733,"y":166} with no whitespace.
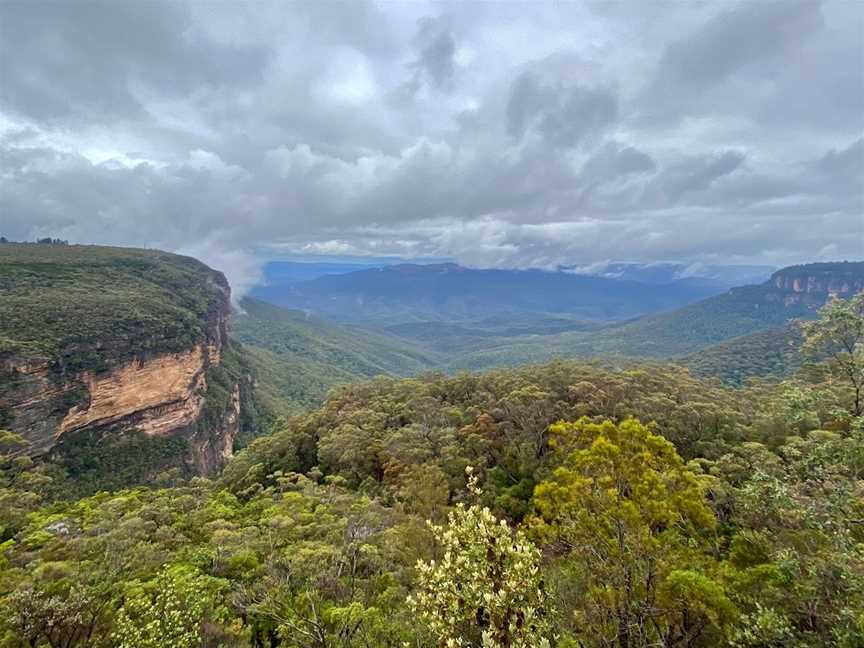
{"x":105,"y":348}
{"x":790,"y":293}
{"x":770,"y":353}
{"x":298,"y":358}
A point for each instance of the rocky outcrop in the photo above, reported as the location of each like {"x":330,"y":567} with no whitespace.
{"x":812,"y":284}
{"x":160,"y":393}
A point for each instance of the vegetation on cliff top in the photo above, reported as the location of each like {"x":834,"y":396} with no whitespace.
{"x":87,"y":307}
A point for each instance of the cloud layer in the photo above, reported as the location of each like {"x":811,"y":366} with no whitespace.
{"x":506,"y":135}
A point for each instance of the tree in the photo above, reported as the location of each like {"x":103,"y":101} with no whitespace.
{"x":839,"y":335}
{"x":485,"y":590}
{"x":796,"y":562}
{"x":634,"y":530}
{"x":23,"y":483}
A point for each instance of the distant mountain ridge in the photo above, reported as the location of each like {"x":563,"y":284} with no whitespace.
{"x":659,"y":272}
{"x":459,"y":318}
{"x":449,"y":292}
{"x":282,"y":272}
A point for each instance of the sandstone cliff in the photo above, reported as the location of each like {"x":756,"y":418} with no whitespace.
{"x":812,"y":284}
{"x":114,"y":367}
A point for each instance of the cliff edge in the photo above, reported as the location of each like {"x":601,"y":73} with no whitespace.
{"x":99,"y":344}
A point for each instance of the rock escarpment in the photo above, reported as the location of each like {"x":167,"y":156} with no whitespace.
{"x":813,"y":283}
{"x":106,"y":343}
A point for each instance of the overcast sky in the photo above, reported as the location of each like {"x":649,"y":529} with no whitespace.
{"x":503,"y":134}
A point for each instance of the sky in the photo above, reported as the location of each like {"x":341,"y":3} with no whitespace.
{"x":494,"y":134}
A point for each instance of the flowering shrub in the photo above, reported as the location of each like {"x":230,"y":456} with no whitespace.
{"x":170,"y":616}
{"x":485,"y":590}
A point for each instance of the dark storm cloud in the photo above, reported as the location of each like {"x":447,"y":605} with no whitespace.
{"x":782,"y":63}
{"x":506,"y":135}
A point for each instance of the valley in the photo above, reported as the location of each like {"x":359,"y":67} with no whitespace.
{"x":175,"y":468}
{"x":511,"y":334}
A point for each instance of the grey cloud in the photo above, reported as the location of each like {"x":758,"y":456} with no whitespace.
{"x":437,"y":48}
{"x":564,"y":112}
{"x":780,"y":64}
{"x":526,"y":100}
{"x":90,"y":60}
{"x":830,"y":183}
{"x":696,"y":174}
{"x":743,"y":36}
{"x":847,"y":162}
{"x":613,"y":160}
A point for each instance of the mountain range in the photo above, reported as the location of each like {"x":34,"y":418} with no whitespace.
{"x":448,"y":292}
{"x":457,"y":318}
{"x":726,"y":276}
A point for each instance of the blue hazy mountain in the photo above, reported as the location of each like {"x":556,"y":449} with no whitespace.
{"x":449,"y":292}
{"x":285,"y":272}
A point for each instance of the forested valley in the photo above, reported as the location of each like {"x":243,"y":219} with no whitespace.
{"x":573,"y":504}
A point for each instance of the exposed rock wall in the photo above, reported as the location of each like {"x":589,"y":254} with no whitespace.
{"x":809,"y":286}
{"x":158,"y":394}
{"x":842,"y":286}
{"x":164,"y":394}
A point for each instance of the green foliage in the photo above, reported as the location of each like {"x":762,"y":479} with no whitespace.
{"x":774,"y":353}
{"x":296,"y":555}
{"x":369,"y":432}
{"x":102,"y":460}
{"x":796,"y":563}
{"x":839,"y":334}
{"x":732,"y":518}
{"x":23,"y":484}
{"x":634,"y":522}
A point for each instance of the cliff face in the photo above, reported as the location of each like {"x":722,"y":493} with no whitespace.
{"x":811,"y":285}
{"x":141,"y":381}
